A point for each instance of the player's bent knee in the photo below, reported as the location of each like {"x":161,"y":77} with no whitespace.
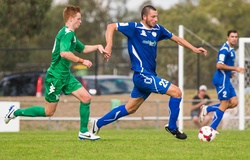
{"x":234,"y":104}
{"x":49,"y":113}
{"x":86,"y":98}
{"x":174,"y":91}
{"x":177,"y":93}
{"x":131,"y":110}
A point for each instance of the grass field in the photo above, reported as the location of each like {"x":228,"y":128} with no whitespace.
{"x":123,"y":145}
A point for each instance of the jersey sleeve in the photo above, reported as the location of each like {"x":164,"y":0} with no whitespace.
{"x":222,"y":56}
{"x":165,"y":34}
{"x":126,"y":28}
{"x":65,"y":42}
{"x":79,"y":46}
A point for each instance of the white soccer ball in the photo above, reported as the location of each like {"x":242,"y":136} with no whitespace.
{"x":206,"y":134}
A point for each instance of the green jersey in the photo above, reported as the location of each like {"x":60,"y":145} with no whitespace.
{"x":66,"y":41}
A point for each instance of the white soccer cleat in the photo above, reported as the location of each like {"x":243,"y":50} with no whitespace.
{"x":93,"y":127}
{"x":203,"y":113}
{"x":216,"y":132}
{"x":87,"y":136}
{"x":10,"y":115}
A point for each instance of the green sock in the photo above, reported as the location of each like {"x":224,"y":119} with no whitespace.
{"x":33,"y":111}
{"x":84,"y":116}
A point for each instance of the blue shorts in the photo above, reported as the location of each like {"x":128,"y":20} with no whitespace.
{"x":144,"y":85}
{"x":225,"y":92}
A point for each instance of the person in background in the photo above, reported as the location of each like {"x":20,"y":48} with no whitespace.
{"x":198,"y":100}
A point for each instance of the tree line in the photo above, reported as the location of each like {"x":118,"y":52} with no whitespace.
{"x":34,"y":24}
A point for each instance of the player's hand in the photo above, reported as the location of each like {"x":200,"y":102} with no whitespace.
{"x":101,"y":49}
{"x":200,"y":50}
{"x":241,"y":70}
{"x":107,"y":54}
{"x":87,"y":63}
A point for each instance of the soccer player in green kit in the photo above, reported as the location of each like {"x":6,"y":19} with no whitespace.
{"x":59,"y":78}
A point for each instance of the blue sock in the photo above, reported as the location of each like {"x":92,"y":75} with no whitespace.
{"x":112,"y":116}
{"x":217,"y":118}
{"x":213,"y":108}
{"x":174,"y":109}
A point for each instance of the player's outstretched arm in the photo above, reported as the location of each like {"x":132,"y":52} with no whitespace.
{"x":186,"y":44}
{"x":109,"y":39}
{"x":230,"y":68}
{"x":91,"y":48}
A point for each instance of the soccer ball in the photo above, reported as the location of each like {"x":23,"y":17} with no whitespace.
{"x":206,"y":134}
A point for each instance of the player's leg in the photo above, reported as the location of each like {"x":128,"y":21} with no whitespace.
{"x":174,"y":105}
{"x":174,"y":108}
{"x":75,"y":88}
{"x":204,"y":110}
{"x":116,"y":113}
{"x":52,"y":95}
{"x":218,"y":114}
{"x":138,"y":96}
{"x":84,"y":108}
{"x":33,"y":111}
{"x":227,"y":97}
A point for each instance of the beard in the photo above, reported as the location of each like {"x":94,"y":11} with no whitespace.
{"x":148,"y":23}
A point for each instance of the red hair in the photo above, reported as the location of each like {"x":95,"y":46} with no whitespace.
{"x":70,"y":11}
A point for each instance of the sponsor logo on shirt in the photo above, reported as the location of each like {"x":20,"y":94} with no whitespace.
{"x":150,"y":43}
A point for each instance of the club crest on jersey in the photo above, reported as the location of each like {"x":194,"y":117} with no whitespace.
{"x":143,"y":33}
{"x":154,"y":34}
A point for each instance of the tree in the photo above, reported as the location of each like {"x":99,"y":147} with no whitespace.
{"x":209,"y":20}
{"x":95,"y":17}
{"x":20,"y":21}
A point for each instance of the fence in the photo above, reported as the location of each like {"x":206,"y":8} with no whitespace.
{"x":152,"y":114}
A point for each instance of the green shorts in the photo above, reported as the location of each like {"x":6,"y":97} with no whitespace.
{"x":54,"y":86}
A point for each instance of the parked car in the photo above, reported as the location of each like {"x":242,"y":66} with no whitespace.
{"x":108,"y":84}
{"x":31,"y":84}
{"x":20,"y":84}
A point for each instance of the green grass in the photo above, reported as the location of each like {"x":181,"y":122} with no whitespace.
{"x":123,"y":145}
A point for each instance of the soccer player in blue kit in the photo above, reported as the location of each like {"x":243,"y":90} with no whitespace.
{"x":221,"y":80}
{"x":142,"y":46}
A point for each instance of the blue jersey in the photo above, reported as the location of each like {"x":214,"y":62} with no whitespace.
{"x":226,"y":55}
{"x":142,"y":45}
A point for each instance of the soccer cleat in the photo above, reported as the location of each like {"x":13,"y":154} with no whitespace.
{"x":177,"y":133}
{"x":93,"y":127}
{"x":216,"y":132}
{"x":10,"y":115}
{"x":203,"y":113}
{"x":87,"y":136}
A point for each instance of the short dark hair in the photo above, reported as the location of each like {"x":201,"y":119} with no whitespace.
{"x":231,"y":31}
{"x":146,"y":9}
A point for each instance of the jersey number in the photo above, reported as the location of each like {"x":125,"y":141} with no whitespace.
{"x":224,"y":94}
{"x":163,"y":83}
